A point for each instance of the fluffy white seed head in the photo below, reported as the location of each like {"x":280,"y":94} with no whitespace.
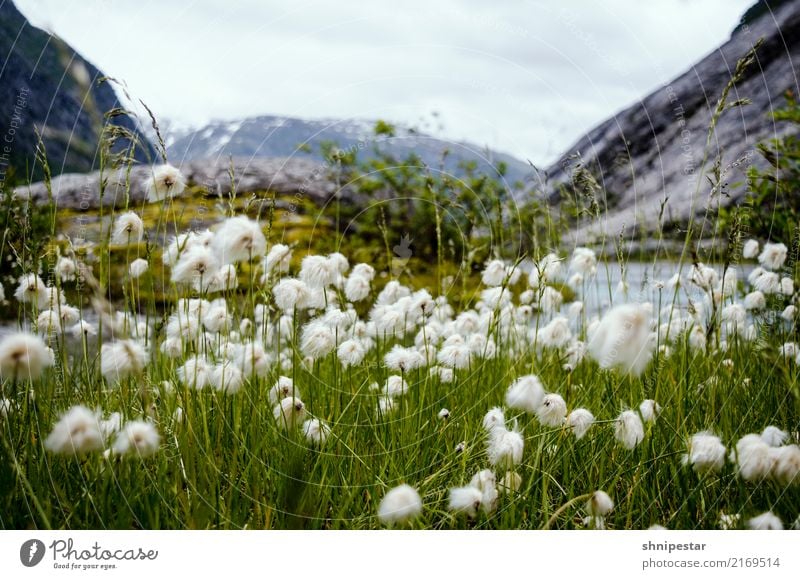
{"x":238,"y":239}
{"x":289,"y":413}
{"x":750,"y":249}
{"x":629,"y":430}
{"x":706,"y":453}
{"x":525,"y":393}
{"x":552,"y":411}
{"x":165,"y":182}
{"x":128,"y":229}
{"x":316,"y":431}
{"x":580,"y":421}
{"x":76,"y":432}
{"x":24,"y":356}
{"x":773,"y":255}
{"x":600,"y":504}
{"x":400,"y":505}
{"x":765,"y":522}
{"x":121,"y":359}
{"x":649,"y":409}
{"x":137,"y":438}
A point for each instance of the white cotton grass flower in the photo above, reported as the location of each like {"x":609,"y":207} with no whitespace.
{"x":284,"y":387}
{"x":750,"y":249}
{"x":111,"y":425}
{"x":774,"y":436}
{"x":66,"y":269}
{"x":786,"y":464}
{"x":166,"y":182}
{"x":494,"y":273}
{"x":584,"y":260}
{"x":486,"y":482}
{"x":121,"y":359}
{"x":599,"y":504}
{"x":729,"y":521}
{"x":550,"y":300}
{"x":765,"y":522}
{"x":194,"y":372}
{"x":351,"y":352}
{"x":706,"y":453}
{"x":580,"y":421}
{"x":76,"y":432}
{"x":400,"y":359}
{"x":628,"y":429}
{"x":465,"y":500}
{"x":48,"y":324}
{"x":7,"y":407}
{"x":754,"y":461}
{"x":622,"y":339}
{"x":552,"y":411}
{"x":317,"y":340}
{"x":290,"y":293}
{"x":386,"y":405}
{"x":773,"y":255}
{"x":24,"y":356}
{"x":252,"y":359}
{"x":787,"y":286}
{"x":196,"y":266}
{"x":445,"y":375}
{"x":768,"y":283}
{"x":318,"y":271}
{"x":315,"y":431}
{"x":444,"y":414}
{"x":504,"y":447}
{"x":225,"y":377}
{"x":277,"y":260}
{"x":31,"y":290}
{"x":457,"y":356}
{"x":395,"y":386}
{"x":289,"y":413}
{"x":525,"y":393}
{"x":755,"y":301}
{"x":138,"y":268}
{"x":139,"y":438}
{"x":400,"y":505}
{"x":556,"y":334}
{"x":649,"y":409}
{"x":238,"y":239}
{"x":510,"y":483}
{"x":493,"y":419}
{"x":356,"y":288}
{"x":128,"y":229}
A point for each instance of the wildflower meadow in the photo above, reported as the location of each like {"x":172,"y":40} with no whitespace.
{"x":282,"y":388}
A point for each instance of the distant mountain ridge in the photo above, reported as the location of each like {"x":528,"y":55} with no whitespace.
{"x":654,"y":149}
{"x":274,"y":136}
{"x":47,"y":87}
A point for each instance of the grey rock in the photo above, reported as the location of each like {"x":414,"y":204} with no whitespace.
{"x":298,"y":177}
{"x":654,"y":149}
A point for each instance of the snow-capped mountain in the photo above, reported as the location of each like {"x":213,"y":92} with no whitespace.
{"x":273,"y":136}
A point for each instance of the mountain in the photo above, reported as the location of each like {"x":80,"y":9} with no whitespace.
{"x":47,"y":87}
{"x":654,"y":149}
{"x":273,"y":137}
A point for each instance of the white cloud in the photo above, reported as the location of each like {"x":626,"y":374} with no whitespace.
{"x":520,"y":76}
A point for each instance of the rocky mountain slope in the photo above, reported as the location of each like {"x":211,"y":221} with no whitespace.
{"x":654,"y":149}
{"x":273,"y":136}
{"x":46,"y":86}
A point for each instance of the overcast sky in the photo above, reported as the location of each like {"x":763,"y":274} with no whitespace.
{"x":521,"y":76}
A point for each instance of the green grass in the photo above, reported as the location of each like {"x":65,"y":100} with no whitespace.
{"x":229,"y":465}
